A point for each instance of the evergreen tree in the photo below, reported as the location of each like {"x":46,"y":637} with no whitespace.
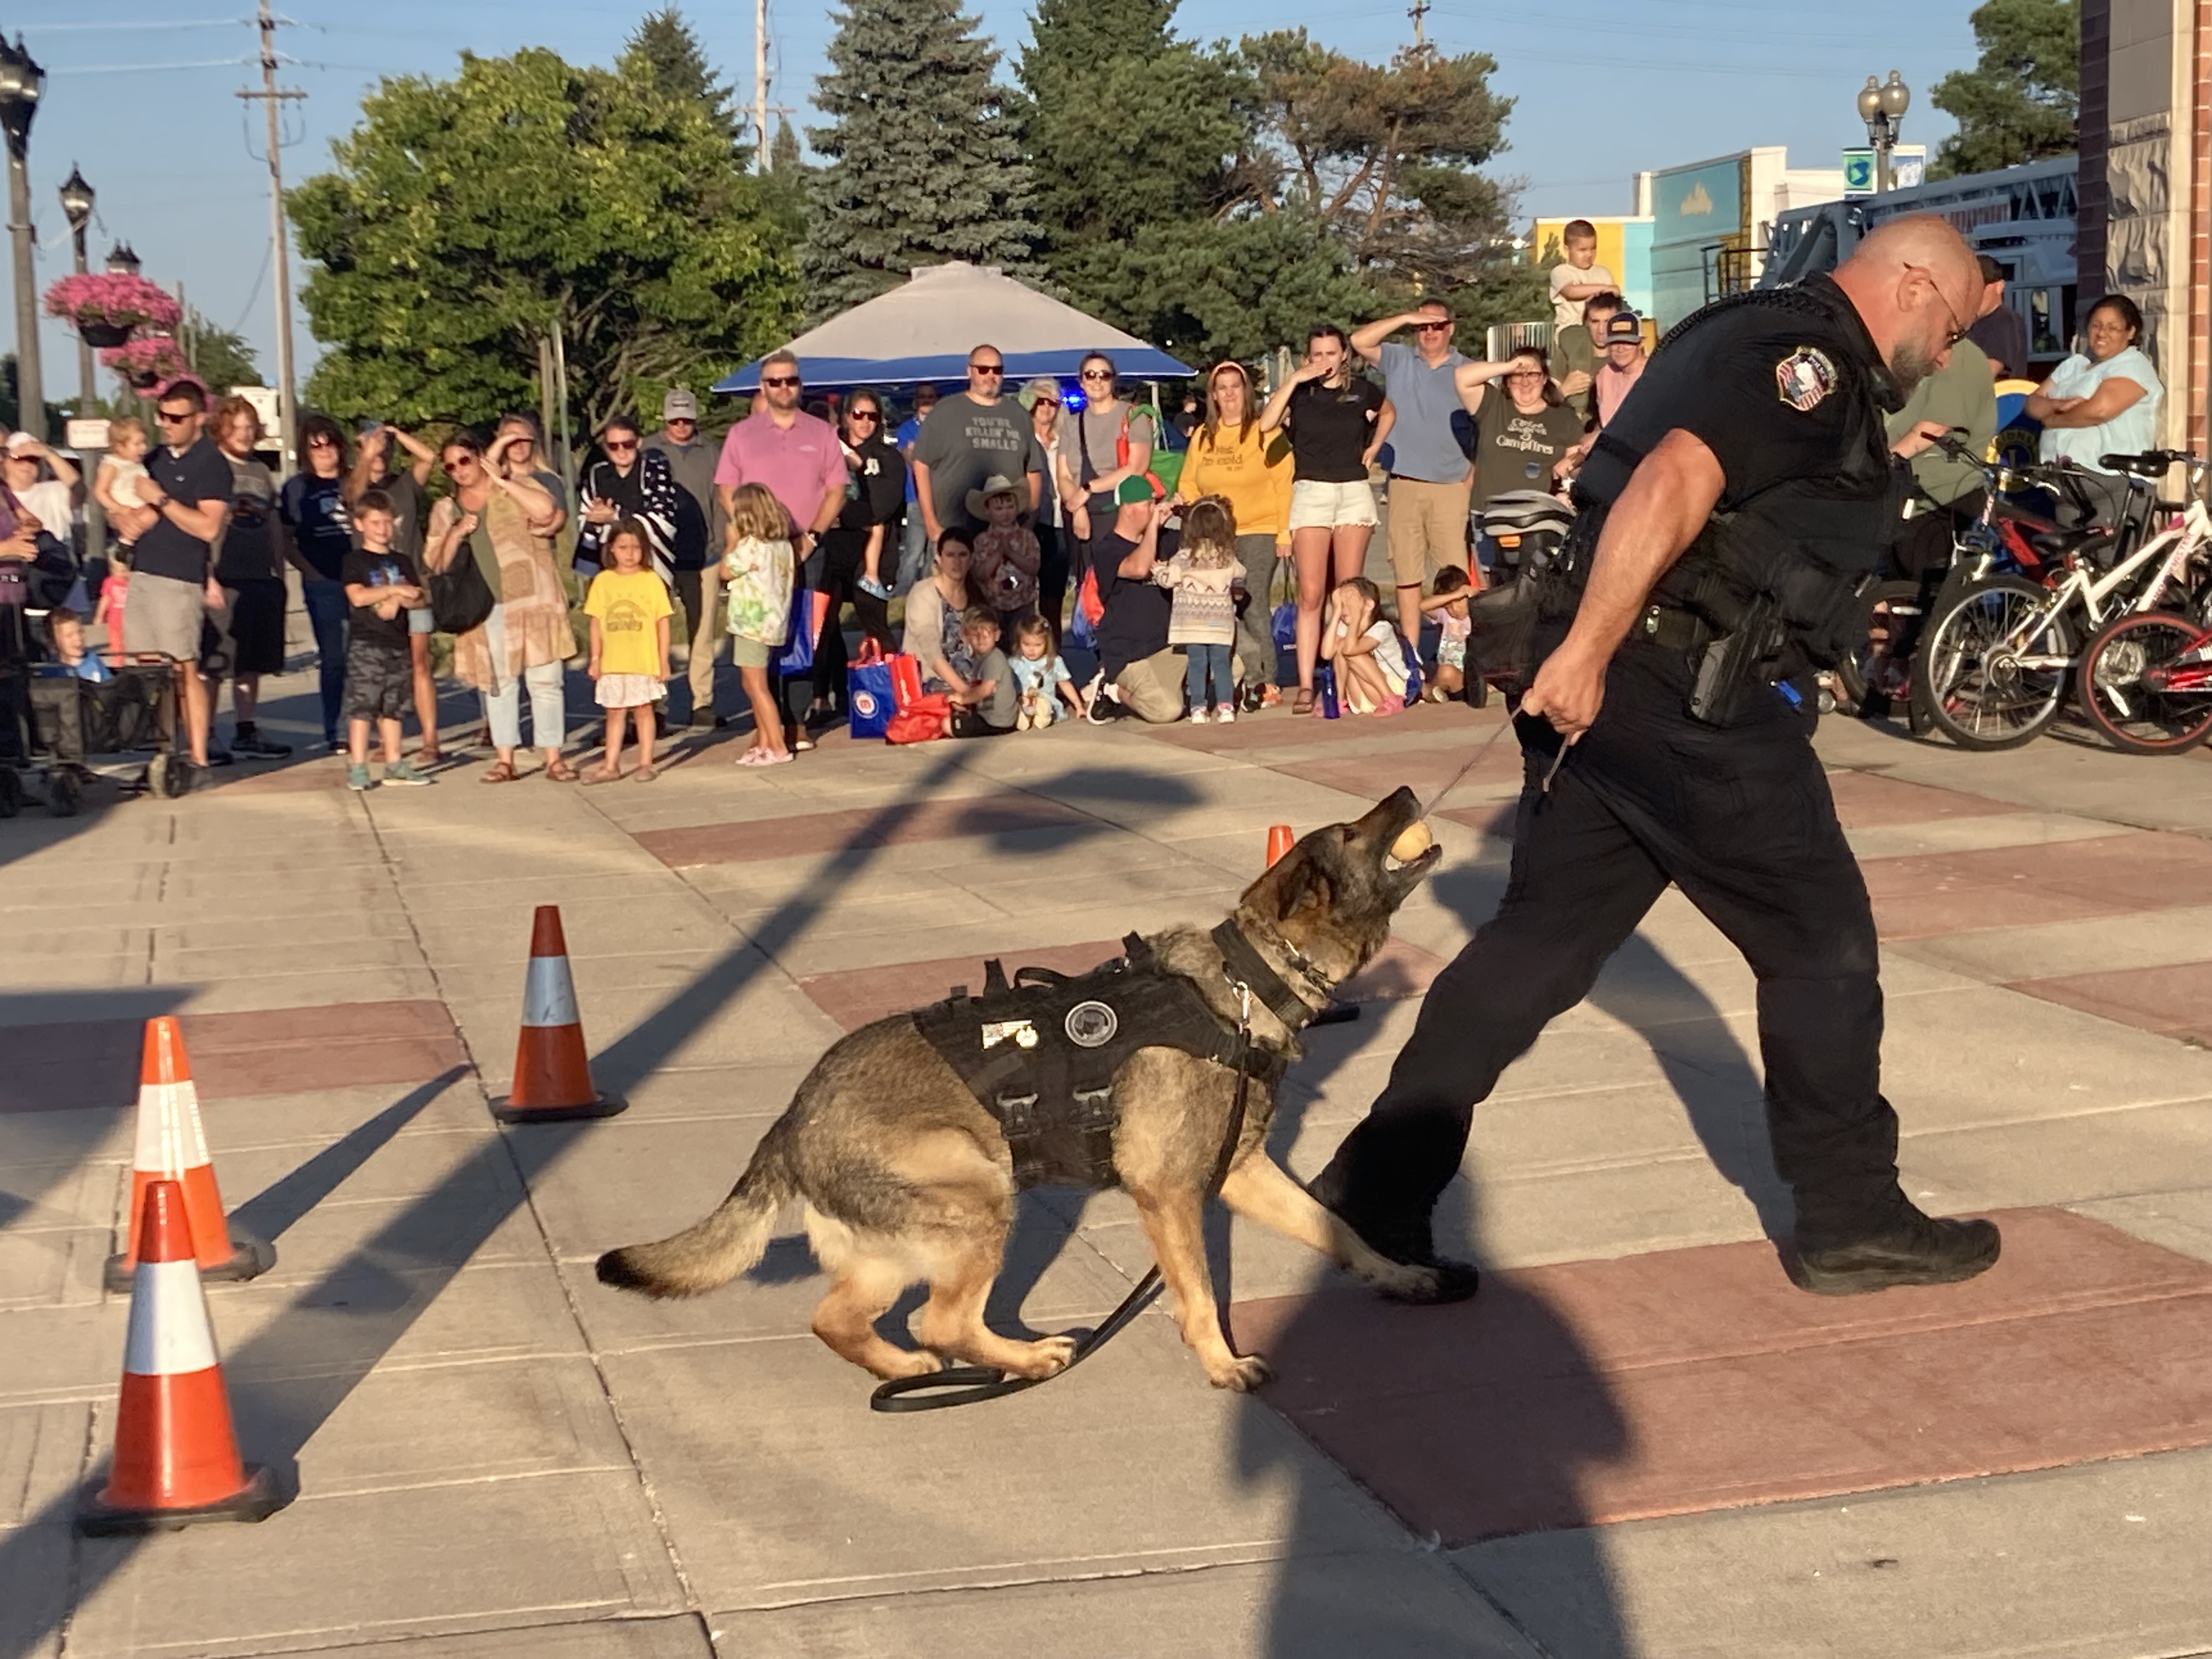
{"x":221,"y":356}
{"x":784,"y":186}
{"x":2021,"y":101}
{"x":666,"y":51}
{"x":922,"y":165}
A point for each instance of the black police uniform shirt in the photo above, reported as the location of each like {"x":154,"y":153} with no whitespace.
{"x":199,"y":475}
{"x":362,"y":568}
{"x":1331,"y":427}
{"x":315,"y":513}
{"x":1788,"y":392}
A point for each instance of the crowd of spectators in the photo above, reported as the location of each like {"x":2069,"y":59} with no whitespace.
{"x":1007,"y":528}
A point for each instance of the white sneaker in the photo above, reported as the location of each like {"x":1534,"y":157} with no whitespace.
{"x":1226,"y":715}
{"x":1198,"y":714}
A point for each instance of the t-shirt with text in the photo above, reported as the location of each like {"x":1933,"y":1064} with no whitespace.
{"x":964,"y":442}
{"x":1517,"y":450}
{"x":246,"y":551}
{"x":315,"y":511}
{"x":629,"y":603}
{"x":392,"y":568}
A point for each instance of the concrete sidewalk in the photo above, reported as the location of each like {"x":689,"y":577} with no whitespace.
{"x":1637,"y":1442}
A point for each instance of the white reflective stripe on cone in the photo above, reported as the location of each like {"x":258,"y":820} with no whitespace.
{"x":548,"y":995}
{"x":169,"y":1334}
{"x":158,"y":1142}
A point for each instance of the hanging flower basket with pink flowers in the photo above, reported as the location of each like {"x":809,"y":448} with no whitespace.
{"x":147,"y":360}
{"x":106,"y":306}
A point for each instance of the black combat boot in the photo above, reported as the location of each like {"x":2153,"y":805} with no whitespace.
{"x":1913,"y":1248}
{"x":1404,"y":1239}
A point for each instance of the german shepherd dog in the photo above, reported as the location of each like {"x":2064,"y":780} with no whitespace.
{"x":906,"y":1177}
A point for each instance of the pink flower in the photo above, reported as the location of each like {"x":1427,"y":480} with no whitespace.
{"x":110,"y":297}
{"x":155,"y":355}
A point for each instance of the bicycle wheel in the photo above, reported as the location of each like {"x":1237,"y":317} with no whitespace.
{"x":1997,"y":663}
{"x":2147,"y":684}
{"x":1874,"y":681}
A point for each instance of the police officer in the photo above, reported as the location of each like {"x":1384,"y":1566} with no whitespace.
{"x":1731,"y":515}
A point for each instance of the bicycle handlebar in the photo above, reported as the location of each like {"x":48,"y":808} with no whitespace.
{"x":2152,"y":460}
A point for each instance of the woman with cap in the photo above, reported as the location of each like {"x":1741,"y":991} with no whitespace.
{"x":1041,"y":397}
{"x":46,"y":483}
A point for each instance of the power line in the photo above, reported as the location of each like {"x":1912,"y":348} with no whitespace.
{"x":133,"y":68}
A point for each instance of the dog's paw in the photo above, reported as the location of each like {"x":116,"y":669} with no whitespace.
{"x":1242,"y":1376}
{"x":920,"y":1363}
{"x":1432,"y":1285}
{"x":1049,"y":1356}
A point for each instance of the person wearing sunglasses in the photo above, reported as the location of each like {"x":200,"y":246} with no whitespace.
{"x":1429,"y":476}
{"x":863,"y":543}
{"x":969,"y":436}
{"x":797,"y":458}
{"x":188,"y":486}
{"x":312,"y":507}
{"x":628,"y":481}
{"x":693,"y":553}
{"x":1730,"y":514}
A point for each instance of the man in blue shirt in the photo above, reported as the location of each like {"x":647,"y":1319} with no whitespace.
{"x":1430,"y":472}
{"x":914,"y":543}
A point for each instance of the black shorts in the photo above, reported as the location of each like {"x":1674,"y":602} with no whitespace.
{"x":379,"y":680}
{"x":246,"y":636}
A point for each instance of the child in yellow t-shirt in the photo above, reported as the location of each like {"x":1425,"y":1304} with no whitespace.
{"x":630,"y":609}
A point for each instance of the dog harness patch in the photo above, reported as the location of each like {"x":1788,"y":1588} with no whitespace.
{"x":1041,"y":1054}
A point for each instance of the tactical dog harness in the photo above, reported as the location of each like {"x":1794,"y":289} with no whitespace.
{"x":1041,"y":1053}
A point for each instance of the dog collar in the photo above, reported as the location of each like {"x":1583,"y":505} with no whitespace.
{"x":1245,"y":965}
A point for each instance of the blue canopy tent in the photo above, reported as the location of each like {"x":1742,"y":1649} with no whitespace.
{"x":924,"y":330}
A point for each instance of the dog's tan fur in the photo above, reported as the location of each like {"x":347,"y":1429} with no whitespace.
{"x":906,"y":1177}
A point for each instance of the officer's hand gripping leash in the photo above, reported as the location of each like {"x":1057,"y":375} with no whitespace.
{"x":964,"y":1385}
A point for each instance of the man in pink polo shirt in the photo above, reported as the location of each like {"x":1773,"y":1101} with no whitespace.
{"x":799,"y":457}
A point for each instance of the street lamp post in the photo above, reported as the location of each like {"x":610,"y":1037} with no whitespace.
{"x":1882,"y":105}
{"x":21,"y":81}
{"x":122,"y":261}
{"x":77,"y":204}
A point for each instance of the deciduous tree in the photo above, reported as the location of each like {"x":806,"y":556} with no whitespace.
{"x":467,"y":220}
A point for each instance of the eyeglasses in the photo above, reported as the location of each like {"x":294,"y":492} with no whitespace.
{"x":1096,"y":374}
{"x":986,"y":368}
{"x":779,"y":379}
{"x":619,"y":447}
{"x":1432,"y":328}
{"x":1526,"y":374}
{"x":857,"y":416}
{"x":681,"y":420}
{"x":182,"y":416}
{"x":313,"y":443}
{"x":460,"y":464}
{"x":1958,"y":329}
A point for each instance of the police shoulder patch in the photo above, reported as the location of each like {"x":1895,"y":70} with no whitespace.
{"x":1804,"y":378}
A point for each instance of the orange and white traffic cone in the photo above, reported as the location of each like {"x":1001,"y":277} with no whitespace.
{"x":176,"y":1451}
{"x":1279,"y":842}
{"x":552,"y":1072}
{"x":173,"y":1145}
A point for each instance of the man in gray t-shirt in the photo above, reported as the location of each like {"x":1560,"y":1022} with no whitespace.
{"x":968,"y":437}
{"x":1430,"y":472}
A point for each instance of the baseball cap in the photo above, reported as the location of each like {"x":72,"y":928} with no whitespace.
{"x":20,"y":441}
{"x":1624,"y":325}
{"x":679,"y":405}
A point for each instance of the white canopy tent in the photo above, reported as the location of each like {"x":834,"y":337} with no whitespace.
{"x":923,"y":328}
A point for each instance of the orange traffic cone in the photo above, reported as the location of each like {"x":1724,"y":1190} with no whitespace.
{"x":1279,"y":842}
{"x":552,"y":1072}
{"x":171,"y":1145}
{"x":176,"y":1453}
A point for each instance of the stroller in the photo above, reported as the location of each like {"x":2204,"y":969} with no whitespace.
{"x":1528,"y":527}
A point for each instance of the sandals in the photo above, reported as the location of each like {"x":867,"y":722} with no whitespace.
{"x":645,"y":774}
{"x":1303,"y":702}
{"x":764,"y":757}
{"x":602,"y":774}
{"x":502,"y":772}
{"x":559,"y":771}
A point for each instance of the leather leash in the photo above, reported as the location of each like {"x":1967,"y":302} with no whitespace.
{"x":965,"y":1385}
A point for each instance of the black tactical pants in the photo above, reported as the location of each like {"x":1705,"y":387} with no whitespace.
{"x":1740,"y":819}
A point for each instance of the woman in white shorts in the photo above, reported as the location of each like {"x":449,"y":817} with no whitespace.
{"x":1337,"y":420}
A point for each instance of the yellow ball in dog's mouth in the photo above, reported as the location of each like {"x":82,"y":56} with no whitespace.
{"x":1412,"y":841}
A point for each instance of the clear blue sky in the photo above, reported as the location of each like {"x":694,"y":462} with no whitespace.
{"x":1602,"y":90}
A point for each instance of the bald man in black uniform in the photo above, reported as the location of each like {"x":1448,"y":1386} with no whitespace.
{"x":1730,"y":514}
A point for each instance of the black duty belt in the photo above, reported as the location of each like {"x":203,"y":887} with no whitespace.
{"x":1674,"y":629}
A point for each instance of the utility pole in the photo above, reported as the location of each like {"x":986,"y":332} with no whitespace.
{"x":1419,"y":12}
{"x":760,"y":87}
{"x":280,"y":252}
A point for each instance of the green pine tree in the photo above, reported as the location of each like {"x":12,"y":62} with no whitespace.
{"x":784,"y":186}
{"x":666,"y":51}
{"x":922,"y":165}
{"x":2021,"y":101}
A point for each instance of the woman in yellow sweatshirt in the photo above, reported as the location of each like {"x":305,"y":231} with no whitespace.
{"x":1250,"y":469}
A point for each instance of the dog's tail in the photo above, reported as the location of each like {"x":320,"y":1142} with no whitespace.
{"x":709,"y":1255}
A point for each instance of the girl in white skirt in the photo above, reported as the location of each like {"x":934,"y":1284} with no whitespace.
{"x":630,"y":609}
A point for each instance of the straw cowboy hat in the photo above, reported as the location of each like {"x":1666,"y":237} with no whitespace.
{"x":997,"y":484}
